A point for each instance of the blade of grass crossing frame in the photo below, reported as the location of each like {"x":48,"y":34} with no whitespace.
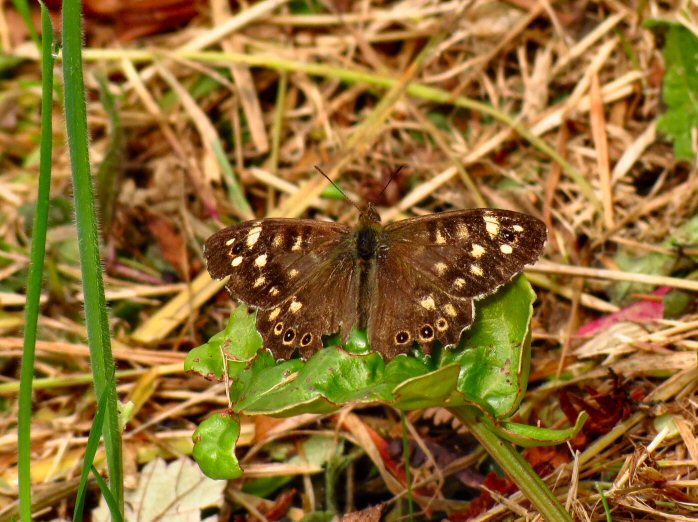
{"x":96,"y":321}
{"x":36,"y":270}
{"x":23,"y":9}
{"x":90,"y":451}
{"x":108,"y":497}
{"x":235,"y":192}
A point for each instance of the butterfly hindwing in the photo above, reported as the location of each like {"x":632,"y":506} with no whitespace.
{"x":297,"y":273}
{"x":326,"y":304}
{"x":407,"y":308}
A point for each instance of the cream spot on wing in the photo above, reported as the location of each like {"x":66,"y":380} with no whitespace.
{"x":230,"y":242}
{"x":297,"y":243}
{"x":477,"y":251}
{"x":295,"y":306}
{"x":475,"y":269}
{"x":491,"y":225}
{"x":506,"y":249}
{"x":450,"y":310}
{"x":278,"y":240}
{"x":236,"y":261}
{"x":259,"y":281}
{"x":461,"y":230}
{"x":274,"y":291}
{"x":253,"y":236}
{"x":459,"y":283}
{"x":518,"y":228}
{"x":440,"y":239}
{"x":440,"y":268}
{"x":428,"y":303}
{"x":292,"y":273}
{"x":274,"y":313}
{"x":261,"y":260}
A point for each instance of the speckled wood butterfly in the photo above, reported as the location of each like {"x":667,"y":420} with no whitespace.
{"x":412,"y":281}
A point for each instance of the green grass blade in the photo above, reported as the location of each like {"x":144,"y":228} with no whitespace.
{"x":22,"y":7}
{"x":110,"y":500}
{"x":36,"y":270}
{"x":98,"y":335}
{"x":90,"y":452}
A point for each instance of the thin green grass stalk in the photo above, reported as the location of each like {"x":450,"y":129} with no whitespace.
{"x":604,"y":501}
{"x":109,"y":499}
{"x":23,"y":9}
{"x":235,"y":193}
{"x":36,"y":270}
{"x":90,"y":452}
{"x":98,"y":335}
{"x":514,"y":465}
{"x":81,"y":379}
{"x":408,"y":469}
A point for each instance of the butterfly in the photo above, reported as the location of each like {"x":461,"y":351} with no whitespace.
{"x":410,"y":281}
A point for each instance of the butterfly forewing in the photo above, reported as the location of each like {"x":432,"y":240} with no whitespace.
{"x":288,"y":269}
{"x":467,"y":253}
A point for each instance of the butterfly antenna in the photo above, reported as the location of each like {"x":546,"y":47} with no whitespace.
{"x":337,"y":187}
{"x":392,"y":177}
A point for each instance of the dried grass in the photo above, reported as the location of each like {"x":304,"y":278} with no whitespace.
{"x":583,"y":76}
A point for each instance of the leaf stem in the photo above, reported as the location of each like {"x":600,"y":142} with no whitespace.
{"x":514,"y":465}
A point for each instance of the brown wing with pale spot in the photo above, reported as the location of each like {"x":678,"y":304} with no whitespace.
{"x":434,"y":266}
{"x":407,"y":308}
{"x":298,"y":273}
{"x":325,"y":305}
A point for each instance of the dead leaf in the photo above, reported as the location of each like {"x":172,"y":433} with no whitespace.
{"x":175,"y":492}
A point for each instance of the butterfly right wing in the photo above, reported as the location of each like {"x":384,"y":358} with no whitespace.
{"x":432,"y":268}
{"x":299,"y":274}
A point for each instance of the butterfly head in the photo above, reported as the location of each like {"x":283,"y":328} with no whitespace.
{"x":369,"y":215}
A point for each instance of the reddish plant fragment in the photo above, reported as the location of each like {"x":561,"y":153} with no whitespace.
{"x":383,"y":447}
{"x":611,"y":408}
{"x":546,"y":459}
{"x":642,"y":311}
{"x":482,"y":503}
{"x":281,"y":506}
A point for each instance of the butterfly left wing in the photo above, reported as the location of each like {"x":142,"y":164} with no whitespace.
{"x":433,"y":267}
{"x":298,"y":274}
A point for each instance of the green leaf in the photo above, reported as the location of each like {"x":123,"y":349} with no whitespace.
{"x":214,"y":446}
{"x":526,"y":436}
{"x":488,"y":372}
{"x":680,"y":90}
{"x":489,"y":368}
{"x":239,"y":342}
{"x":496,"y":356}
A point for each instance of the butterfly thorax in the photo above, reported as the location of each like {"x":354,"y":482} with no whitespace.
{"x":367,"y":234}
